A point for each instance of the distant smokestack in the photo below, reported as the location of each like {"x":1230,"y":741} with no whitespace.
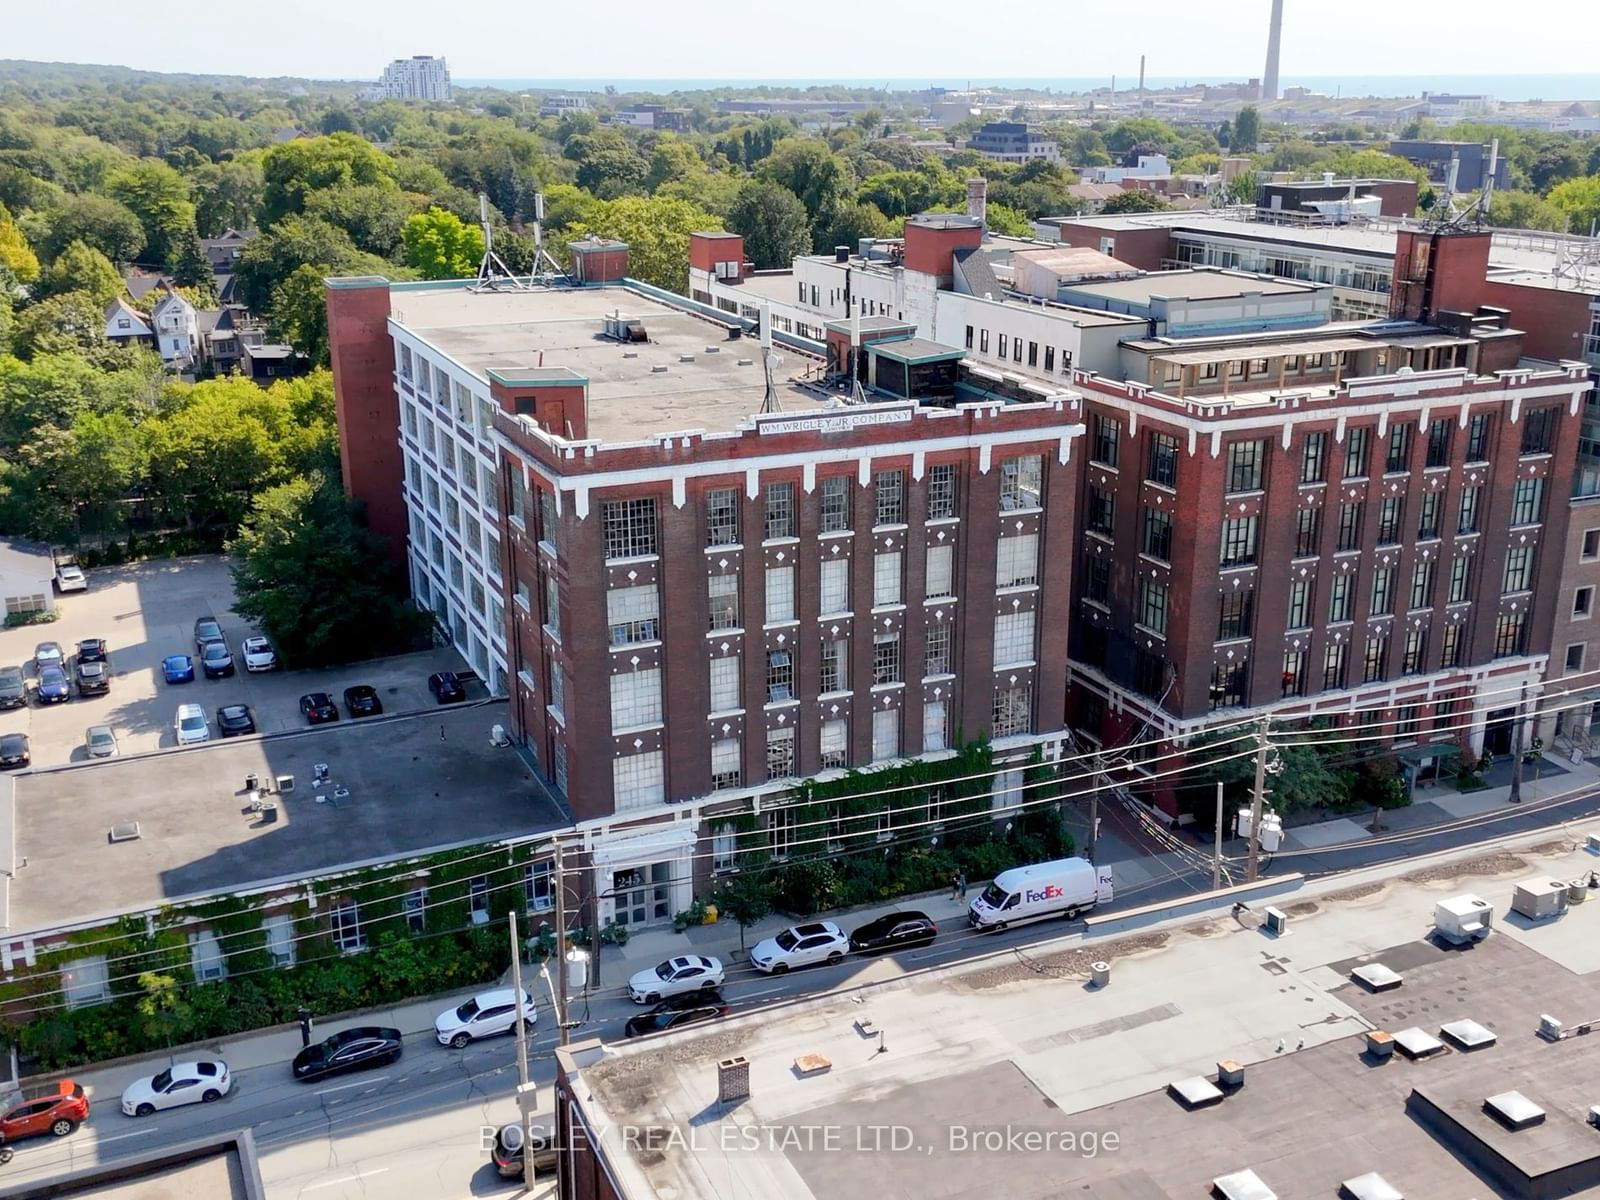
{"x":1141,"y":74}
{"x":978,"y":199}
{"x":1269,"y":80}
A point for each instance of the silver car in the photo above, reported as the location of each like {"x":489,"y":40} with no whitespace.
{"x":100,"y":742}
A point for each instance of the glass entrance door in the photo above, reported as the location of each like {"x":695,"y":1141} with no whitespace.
{"x":642,"y":895}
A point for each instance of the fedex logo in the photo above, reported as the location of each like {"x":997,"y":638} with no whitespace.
{"x":1049,"y":892}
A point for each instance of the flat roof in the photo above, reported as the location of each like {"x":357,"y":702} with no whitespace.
{"x":916,"y":350}
{"x":688,"y":375}
{"x":196,"y":834}
{"x":1191,"y":285}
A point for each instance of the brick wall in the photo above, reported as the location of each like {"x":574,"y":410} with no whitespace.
{"x":370,"y":458}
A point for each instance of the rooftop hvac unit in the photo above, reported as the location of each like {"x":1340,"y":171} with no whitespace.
{"x":733,"y":1079}
{"x":625,"y":329}
{"x":1463,"y":919}
{"x":125,"y":831}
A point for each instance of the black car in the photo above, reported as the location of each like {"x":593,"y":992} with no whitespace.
{"x":14,"y":751}
{"x":53,"y":687}
{"x":511,"y":1140}
{"x":362,"y":701}
{"x":216,"y":660}
{"x":92,"y":650}
{"x":892,"y":932}
{"x":688,"y":1009}
{"x":93,"y":677}
{"x":206,"y":629}
{"x":234,"y":720}
{"x":318,"y":707}
{"x":446,"y":688}
{"x":348,"y":1050}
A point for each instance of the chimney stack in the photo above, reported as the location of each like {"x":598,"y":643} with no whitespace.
{"x":1141,"y":74}
{"x":1269,"y":79}
{"x":978,"y":199}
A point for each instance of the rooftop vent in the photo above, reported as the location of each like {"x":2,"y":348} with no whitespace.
{"x":747,"y":362}
{"x":685,"y":358}
{"x":713,"y":349}
{"x":625,"y":329}
{"x":659,"y":369}
{"x":125,"y":831}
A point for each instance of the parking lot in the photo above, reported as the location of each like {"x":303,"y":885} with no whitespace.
{"x":146,"y":612}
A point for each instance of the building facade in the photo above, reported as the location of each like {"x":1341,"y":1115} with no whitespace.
{"x":1016,"y":142}
{"x":420,"y":77}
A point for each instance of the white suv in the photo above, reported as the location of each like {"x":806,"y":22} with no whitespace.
{"x":800,"y":946}
{"x":486,"y":1014}
{"x":687,"y":973}
{"x":190,"y":725}
{"x":258,"y":654}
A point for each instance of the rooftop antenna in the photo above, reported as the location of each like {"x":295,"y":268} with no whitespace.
{"x":857,"y":395}
{"x":769,"y":401}
{"x":540,"y":254}
{"x":493,"y":274}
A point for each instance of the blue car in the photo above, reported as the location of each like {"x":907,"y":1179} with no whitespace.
{"x":54,"y":687}
{"x":178,"y":668}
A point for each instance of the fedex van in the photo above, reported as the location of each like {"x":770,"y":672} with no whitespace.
{"x":1066,"y":887}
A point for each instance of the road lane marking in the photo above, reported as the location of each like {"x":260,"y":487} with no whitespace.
{"x":357,"y":1177}
{"x":346,"y":1086}
{"x":117,"y":1137}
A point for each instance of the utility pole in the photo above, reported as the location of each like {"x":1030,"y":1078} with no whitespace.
{"x":1516,"y":747}
{"x":526,"y":1094}
{"x":561,"y":945}
{"x":1257,"y":795}
{"x":1216,"y":850}
{"x":1094,"y":806}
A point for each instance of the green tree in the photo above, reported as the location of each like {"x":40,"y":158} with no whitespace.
{"x":1579,"y":201}
{"x":191,"y":268}
{"x":291,"y":172}
{"x":608,"y":165}
{"x":1524,"y":210}
{"x":853,"y":221}
{"x":1308,"y":779}
{"x":97,"y":221}
{"x":16,"y":256}
{"x":1009,"y":221}
{"x":1133,"y":200}
{"x":773,"y":223}
{"x":300,"y":313}
{"x":812,"y":171}
{"x":213,"y":449}
{"x":70,"y":323}
{"x":1242,"y":188}
{"x":373,"y":215}
{"x":747,"y":899}
{"x":163,"y":1012}
{"x":159,"y":197}
{"x":1555,"y":164}
{"x":1246,"y":129}
{"x":81,"y":268}
{"x":300,"y":241}
{"x":673,"y":158}
{"x":227,"y":195}
{"x":439,"y":245}
{"x":657,"y":231}
{"x":1085,"y":148}
{"x":316,"y":579}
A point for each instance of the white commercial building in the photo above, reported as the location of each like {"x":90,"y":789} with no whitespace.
{"x":27,"y":578}
{"x":420,"y":77}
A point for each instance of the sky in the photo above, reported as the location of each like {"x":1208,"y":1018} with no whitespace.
{"x":844,"y":39}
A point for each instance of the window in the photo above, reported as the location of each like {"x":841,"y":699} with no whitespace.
{"x":780,"y":676}
{"x":558,"y":688}
{"x":1538,"y":430}
{"x":1294,"y":673}
{"x":1575,"y":656}
{"x":1228,"y":684}
{"x":1391,"y":514}
{"x":1238,"y":541}
{"x":1398,"y":456}
{"x":834,"y":593}
{"x":206,"y":959}
{"x":630,"y":527}
{"x":636,"y":699}
{"x":1102,"y":509}
{"x":885,"y":734}
{"x":1096,"y":578}
{"x":1016,"y":349}
{"x":1302,"y":594}
{"x":941,"y":572}
{"x":1307,"y":532}
{"x":1107,"y":440}
{"x":1341,"y":597}
{"x":722,"y":517}
{"x":345,"y":923}
{"x":1527,"y":501}
{"x":1149,"y":673}
{"x":1020,"y":482}
{"x":278,"y":930}
{"x":1156,"y":539}
{"x":1335,"y":666}
{"x":886,"y":578}
{"x":1314,"y":458}
{"x":1478,"y":428}
{"x":780,"y":753}
{"x":1013,"y":638}
{"x":549,"y":519}
{"x":941,"y":491}
{"x":1413,"y":651}
{"x":1471,"y":497}
{"x":886,"y":658}
{"x":633,"y":614}
{"x":833,"y":742}
{"x":1439,"y":442}
{"x":1408,"y":720}
{"x":1003,"y":343}
{"x":1511,"y":634}
{"x":1152,"y":610}
{"x":1357,"y":452}
{"x":936,"y":650}
{"x":478,"y":900}
{"x":638,"y":780}
{"x":889,"y":498}
{"x":935,"y":727}
{"x":969,"y":337}
{"x":1372,"y":666}
{"x":726,"y":770}
{"x":1246,"y":461}
{"x":1422,"y":575}
{"x":1428,"y":517}
{"x":723,"y":592}
{"x":835,"y":666}
{"x":405,"y":362}
{"x":1012,"y":712}
{"x":780,"y":595}
{"x":725,"y":684}
{"x":779,"y":511}
{"x":1583,"y":604}
{"x":539,"y":885}
{"x":1382,"y":591}
{"x":1049,"y":359}
{"x":1033,"y":354}
{"x":1234,"y":613}
{"x":1591,"y":545}
{"x":780,"y":831}
{"x":983,"y":341}
{"x":1460,"y":577}
{"x":1162,"y":464}
{"x":552,"y":604}
{"x":834,"y":506}
{"x":1016,"y":562}
{"x":1350,"y":518}
{"x":1519,"y":570}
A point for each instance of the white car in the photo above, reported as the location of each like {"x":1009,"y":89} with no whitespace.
{"x":70,"y":578}
{"x":485,"y":1015}
{"x":258,"y":654}
{"x":180,"y":1084}
{"x":687,"y":973}
{"x":100,"y":741}
{"x":800,"y":946}
{"x":190,"y":725}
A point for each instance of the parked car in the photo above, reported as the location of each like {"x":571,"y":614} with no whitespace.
{"x":190,"y":725}
{"x":92,"y":650}
{"x":446,"y":687}
{"x":512,"y":1142}
{"x":681,"y":1010}
{"x":14,"y":751}
{"x":486,"y":1014}
{"x":216,"y":660}
{"x":101,"y":742}
{"x":177,"y":668}
{"x":258,"y":654}
{"x":234,"y":720}
{"x":13,"y":688}
{"x":55,"y":1109}
{"x":70,"y":578}
{"x":48,"y":653}
{"x":348,"y":1050}
{"x":686,"y":973}
{"x":362,"y":701}
{"x":893,"y":932}
{"x":318,"y":708}
{"x":54,"y":687}
{"x":800,"y":946}
{"x":180,"y":1084}
{"x":93,"y":678}
{"x":206,"y":629}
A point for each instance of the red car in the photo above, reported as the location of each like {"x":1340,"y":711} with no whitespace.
{"x":53,"y":1108}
